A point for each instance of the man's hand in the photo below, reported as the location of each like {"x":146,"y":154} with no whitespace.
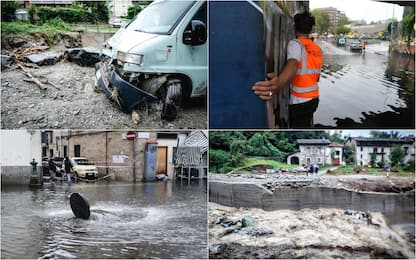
{"x":266,"y":89}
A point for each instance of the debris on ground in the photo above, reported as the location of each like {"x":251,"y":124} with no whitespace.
{"x":73,"y":88}
{"x":306,"y":233}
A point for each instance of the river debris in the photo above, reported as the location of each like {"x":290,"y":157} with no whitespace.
{"x":306,"y":233}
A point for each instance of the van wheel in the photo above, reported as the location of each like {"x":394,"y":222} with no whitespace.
{"x":172,"y":99}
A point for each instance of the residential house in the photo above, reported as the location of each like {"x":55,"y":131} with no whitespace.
{"x":381,"y":147}
{"x":118,"y":8}
{"x":48,"y":3}
{"x":18,"y":149}
{"x":315,"y":151}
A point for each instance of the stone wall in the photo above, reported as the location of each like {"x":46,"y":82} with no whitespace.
{"x":100,"y":147}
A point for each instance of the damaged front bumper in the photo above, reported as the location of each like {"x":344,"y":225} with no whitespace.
{"x":124,"y":93}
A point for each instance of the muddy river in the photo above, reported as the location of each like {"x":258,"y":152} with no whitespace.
{"x":365,"y":90}
{"x":152,"y":220}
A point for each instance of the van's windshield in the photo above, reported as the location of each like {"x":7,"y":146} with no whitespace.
{"x":160,"y":17}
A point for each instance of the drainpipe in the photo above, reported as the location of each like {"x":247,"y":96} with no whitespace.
{"x":134,"y":160}
{"x":106,"y":153}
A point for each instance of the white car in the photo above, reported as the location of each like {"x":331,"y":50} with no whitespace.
{"x":116,"y":23}
{"x":83,"y":168}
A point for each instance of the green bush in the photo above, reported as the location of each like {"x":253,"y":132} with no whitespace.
{"x":70,"y":15}
{"x":409,"y":166}
{"x":8,"y":9}
{"x":218,"y":159}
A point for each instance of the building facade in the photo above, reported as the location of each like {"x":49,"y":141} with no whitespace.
{"x":365,"y":147}
{"x":314,"y":151}
{"x":334,"y":15}
{"x":18,"y":149}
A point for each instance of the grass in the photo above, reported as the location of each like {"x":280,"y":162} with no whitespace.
{"x":252,"y":161}
{"x":351,"y":169}
{"x":50,"y":29}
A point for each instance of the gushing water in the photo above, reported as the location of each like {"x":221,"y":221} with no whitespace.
{"x":151,"y":220}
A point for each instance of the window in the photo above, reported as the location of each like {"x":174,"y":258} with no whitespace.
{"x":318,"y":159}
{"x":361,"y":156}
{"x":65,"y":151}
{"x":375,"y":150}
{"x":336,"y":152}
{"x":405,"y":149}
{"x":382,"y":149}
{"x":77,"y":150}
{"x":361,"y":148}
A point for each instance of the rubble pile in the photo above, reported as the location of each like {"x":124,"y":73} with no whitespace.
{"x":307,"y":233}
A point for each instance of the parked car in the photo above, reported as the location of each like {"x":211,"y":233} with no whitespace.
{"x":341,"y":41}
{"x":161,"y":54}
{"x":83,"y":168}
{"x":355,"y":46}
{"x":116,"y":23}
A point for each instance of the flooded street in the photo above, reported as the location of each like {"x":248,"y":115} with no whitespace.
{"x":144,"y":220}
{"x":365,"y":90}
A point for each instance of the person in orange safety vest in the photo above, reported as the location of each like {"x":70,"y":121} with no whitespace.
{"x":302,"y":71}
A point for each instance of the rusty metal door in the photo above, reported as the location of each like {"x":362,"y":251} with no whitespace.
{"x":162,"y":160}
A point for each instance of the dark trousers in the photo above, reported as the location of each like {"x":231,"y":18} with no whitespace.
{"x":301,"y":115}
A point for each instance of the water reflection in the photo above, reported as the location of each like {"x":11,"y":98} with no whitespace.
{"x":368,"y":90}
{"x":162,"y":220}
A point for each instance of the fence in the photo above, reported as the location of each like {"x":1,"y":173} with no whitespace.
{"x":99,"y":27}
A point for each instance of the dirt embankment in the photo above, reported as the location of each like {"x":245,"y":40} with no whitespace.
{"x":307,"y":233}
{"x":73,"y":101}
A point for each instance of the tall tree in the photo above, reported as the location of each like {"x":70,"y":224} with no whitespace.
{"x":396,"y":155}
{"x":322,"y":22}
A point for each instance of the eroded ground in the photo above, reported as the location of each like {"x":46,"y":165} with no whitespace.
{"x":307,"y":233}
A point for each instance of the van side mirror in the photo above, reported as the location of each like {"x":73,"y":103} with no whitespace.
{"x":196,"y":35}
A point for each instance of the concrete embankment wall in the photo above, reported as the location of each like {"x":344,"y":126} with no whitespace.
{"x":398,"y":208}
{"x":17,"y":175}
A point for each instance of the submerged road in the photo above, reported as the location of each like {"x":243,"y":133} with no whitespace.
{"x":371,"y":89}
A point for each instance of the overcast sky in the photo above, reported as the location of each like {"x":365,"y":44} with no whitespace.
{"x":368,"y":10}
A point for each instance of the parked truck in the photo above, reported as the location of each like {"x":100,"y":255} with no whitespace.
{"x":160,"y":55}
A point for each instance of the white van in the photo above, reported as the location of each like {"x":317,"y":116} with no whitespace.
{"x":160,"y":54}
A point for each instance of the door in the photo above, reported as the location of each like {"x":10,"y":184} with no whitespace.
{"x":162,"y":160}
{"x":192,"y":60}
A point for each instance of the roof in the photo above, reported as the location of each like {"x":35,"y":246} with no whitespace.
{"x":335,"y":144}
{"x":197,"y":139}
{"x":192,"y":150}
{"x":386,"y":142}
{"x":50,"y":2}
{"x":313,"y":141}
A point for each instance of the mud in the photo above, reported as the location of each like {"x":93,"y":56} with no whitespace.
{"x":307,"y":233}
{"x":77,"y":104}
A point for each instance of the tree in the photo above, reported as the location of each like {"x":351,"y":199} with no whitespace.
{"x":134,"y":10}
{"x":383,"y":134}
{"x":396,"y":155}
{"x":408,"y":22}
{"x":349,"y":154}
{"x":343,"y":20}
{"x":8,"y":9}
{"x":322,"y":22}
{"x":389,"y":25}
{"x":373,"y":158}
{"x":342,"y":30}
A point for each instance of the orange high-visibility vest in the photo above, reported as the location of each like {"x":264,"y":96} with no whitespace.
{"x":305,"y":83}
